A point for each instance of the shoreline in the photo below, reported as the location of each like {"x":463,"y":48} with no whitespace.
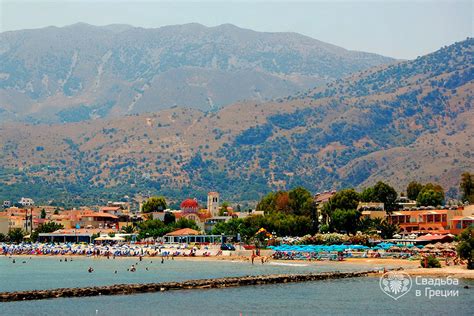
{"x":412,"y":267}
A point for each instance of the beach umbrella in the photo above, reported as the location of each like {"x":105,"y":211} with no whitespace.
{"x":430,"y":246}
{"x":117,"y":238}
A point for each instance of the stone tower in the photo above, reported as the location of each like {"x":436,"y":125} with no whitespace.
{"x":213,"y":203}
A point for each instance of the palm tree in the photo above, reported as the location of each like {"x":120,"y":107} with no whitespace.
{"x":128,"y":229}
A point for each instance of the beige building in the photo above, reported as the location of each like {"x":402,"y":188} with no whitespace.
{"x":213,"y":203}
{"x":4,"y":224}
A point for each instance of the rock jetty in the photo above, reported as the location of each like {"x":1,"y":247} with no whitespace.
{"x":126,"y":289}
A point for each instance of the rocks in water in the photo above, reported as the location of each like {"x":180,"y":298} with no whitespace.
{"x":123,"y":289}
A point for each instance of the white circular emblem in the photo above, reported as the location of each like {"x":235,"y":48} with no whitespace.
{"x":395,"y":284}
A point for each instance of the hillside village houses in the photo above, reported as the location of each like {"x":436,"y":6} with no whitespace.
{"x":84,"y":222}
{"x":26,"y":202}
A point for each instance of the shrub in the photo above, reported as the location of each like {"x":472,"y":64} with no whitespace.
{"x":430,"y":262}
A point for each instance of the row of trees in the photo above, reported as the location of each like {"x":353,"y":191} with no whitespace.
{"x":467,"y":187}
{"x":425,"y":194}
{"x":293,"y":213}
{"x":157,"y":228}
{"x":17,"y":234}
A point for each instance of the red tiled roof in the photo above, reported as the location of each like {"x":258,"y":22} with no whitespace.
{"x":99,"y":214}
{"x":434,"y":238}
{"x":184,"y":232}
{"x":110,"y":208}
{"x":323,"y":197}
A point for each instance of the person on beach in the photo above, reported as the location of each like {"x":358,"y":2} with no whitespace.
{"x":252,"y":256}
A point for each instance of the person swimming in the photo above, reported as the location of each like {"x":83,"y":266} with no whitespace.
{"x":90,"y":270}
{"x":132,"y":268}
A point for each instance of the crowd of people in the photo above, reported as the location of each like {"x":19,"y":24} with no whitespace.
{"x":103,"y":250}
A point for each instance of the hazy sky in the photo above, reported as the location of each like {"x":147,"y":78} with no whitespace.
{"x":401,"y":29}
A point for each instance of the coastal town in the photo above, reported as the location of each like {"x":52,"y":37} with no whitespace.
{"x":398,"y":228}
{"x":82,"y":223}
{"x":236,"y":158}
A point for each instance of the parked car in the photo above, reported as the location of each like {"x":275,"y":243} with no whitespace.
{"x":227,"y":247}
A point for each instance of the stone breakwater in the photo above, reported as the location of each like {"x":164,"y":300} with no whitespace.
{"x":126,"y":289}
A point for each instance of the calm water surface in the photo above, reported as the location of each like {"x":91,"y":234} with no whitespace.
{"x":359,"y":296}
{"x":49,"y":272}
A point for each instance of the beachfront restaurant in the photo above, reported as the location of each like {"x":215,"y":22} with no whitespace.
{"x":73,"y":235}
{"x":188,"y":235}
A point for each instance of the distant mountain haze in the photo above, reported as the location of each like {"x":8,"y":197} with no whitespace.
{"x":82,"y":72}
{"x":411,"y":120}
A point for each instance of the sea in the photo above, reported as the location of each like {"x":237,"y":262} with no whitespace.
{"x":356,"y":296}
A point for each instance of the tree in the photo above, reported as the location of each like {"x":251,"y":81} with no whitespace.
{"x":45,"y":228}
{"x":169,"y":218}
{"x":300,"y":201}
{"x":297,"y":201}
{"x":413,"y":189}
{"x":267,"y":203}
{"x":185,"y":223}
{"x":430,"y":197}
{"x":467,"y":187}
{"x":232,"y":227}
{"x":3,"y":237}
{"x":154,"y":204}
{"x":43,"y":213}
{"x":382,"y":193}
{"x":387,"y":229}
{"x":223,"y":208}
{"x":129,"y":229}
{"x":152,"y":228}
{"x":466,"y":246}
{"x":344,"y":221}
{"x":347,"y":199}
{"x":16,"y":235}
{"x":282,"y":202}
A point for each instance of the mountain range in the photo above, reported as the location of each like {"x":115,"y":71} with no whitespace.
{"x":409,"y":120}
{"x":82,"y":72}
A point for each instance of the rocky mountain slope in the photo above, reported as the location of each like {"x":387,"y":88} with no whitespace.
{"x":411,"y":120}
{"x":81,"y":72}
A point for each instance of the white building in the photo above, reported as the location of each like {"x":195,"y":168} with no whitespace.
{"x":26,"y":202}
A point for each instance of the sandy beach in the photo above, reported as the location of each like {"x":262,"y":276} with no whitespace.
{"x":412,"y":267}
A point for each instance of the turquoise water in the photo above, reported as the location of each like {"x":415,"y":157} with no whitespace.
{"x":49,"y":272}
{"x":358,"y":296}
